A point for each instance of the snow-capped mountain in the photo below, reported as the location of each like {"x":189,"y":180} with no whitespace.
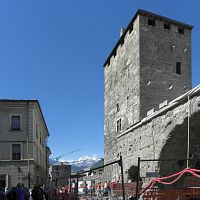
{"x":82,"y":163}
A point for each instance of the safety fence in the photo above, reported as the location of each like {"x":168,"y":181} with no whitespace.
{"x":178,"y":194}
{"x":168,"y":179}
{"x":63,"y":193}
{"x":102,"y":181}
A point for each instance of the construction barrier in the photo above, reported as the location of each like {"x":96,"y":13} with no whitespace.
{"x":178,"y":194}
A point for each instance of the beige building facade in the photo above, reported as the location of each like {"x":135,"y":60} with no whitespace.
{"x":24,"y":154}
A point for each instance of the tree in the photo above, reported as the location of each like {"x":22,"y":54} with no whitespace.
{"x":133,"y":173}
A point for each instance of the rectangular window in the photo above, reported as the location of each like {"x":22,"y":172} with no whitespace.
{"x":16,"y":152}
{"x":178,"y":67}
{"x":15,"y":122}
{"x":36,"y":131}
{"x":167,"y":26}
{"x":181,"y":30}
{"x":40,"y":138}
{"x":37,"y":180}
{"x":151,"y":22}
{"x":119,"y":125}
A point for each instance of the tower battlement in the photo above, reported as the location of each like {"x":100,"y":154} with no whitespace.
{"x":129,"y":29}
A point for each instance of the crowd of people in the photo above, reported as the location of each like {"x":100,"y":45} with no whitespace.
{"x":65,"y":192}
{"x":22,"y":193}
{"x":98,"y":189}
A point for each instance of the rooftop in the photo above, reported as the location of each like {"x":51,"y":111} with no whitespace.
{"x":27,"y":101}
{"x":146,"y":13}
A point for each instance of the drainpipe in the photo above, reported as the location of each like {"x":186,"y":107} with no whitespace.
{"x":29,"y":182}
{"x":153,"y":140}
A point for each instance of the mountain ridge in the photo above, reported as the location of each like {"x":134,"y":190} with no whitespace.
{"x":84,"y":162}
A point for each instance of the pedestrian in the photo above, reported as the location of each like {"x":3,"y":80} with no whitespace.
{"x":85,"y":188}
{"x":105,"y":189}
{"x":41,"y":192}
{"x":2,"y":194}
{"x":99,"y":188}
{"x":26,"y":193}
{"x":46,"y":193}
{"x":19,"y":192}
{"x":109,"y":188}
{"x":36,"y":193}
{"x":10,"y":194}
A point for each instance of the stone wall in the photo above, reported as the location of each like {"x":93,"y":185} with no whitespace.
{"x":160,"y":50}
{"x":122,"y":88}
{"x":140,"y":74}
{"x":163,"y":135}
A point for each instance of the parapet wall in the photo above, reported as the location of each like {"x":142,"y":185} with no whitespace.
{"x":163,"y":134}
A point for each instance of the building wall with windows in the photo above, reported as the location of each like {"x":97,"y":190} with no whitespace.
{"x":18,"y":143}
{"x":165,"y":61}
{"x":150,"y":64}
{"x":59,"y":174}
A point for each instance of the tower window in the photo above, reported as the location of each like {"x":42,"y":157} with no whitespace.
{"x":128,"y":101}
{"x":151,"y":22}
{"x":131,"y":28}
{"x":178,"y":67}
{"x":181,"y":30}
{"x":122,"y":42}
{"x":117,"y":107}
{"x":167,"y":26}
{"x":119,"y":125}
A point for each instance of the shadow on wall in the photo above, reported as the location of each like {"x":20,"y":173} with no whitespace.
{"x":176,"y":147}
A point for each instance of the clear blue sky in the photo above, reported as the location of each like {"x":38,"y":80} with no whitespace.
{"x":54,"y":50}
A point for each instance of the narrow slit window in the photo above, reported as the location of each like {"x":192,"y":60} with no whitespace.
{"x":117,"y":107}
{"x":122,"y":42}
{"x":119,"y":125}
{"x":178,"y":67}
{"x":131,"y":29}
{"x":151,"y":22}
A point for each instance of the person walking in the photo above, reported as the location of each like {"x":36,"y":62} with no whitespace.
{"x":10,"y":194}
{"x":46,"y":193}
{"x":19,"y":192}
{"x":109,"y":187}
{"x":36,"y":193}
{"x":41,"y":192}
{"x":2,"y":194}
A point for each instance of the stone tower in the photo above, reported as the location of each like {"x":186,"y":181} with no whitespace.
{"x":150,"y":63}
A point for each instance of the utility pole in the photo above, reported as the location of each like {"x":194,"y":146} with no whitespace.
{"x":122,"y":173}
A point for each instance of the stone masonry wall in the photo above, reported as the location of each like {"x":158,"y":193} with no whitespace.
{"x":122,"y":87}
{"x":139,"y":75}
{"x":162,"y":135}
{"x":160,"y":49}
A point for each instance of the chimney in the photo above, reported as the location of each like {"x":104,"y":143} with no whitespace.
{"x":122,"y":31}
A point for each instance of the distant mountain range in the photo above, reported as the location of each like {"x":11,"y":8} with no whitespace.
{"x":85,"y":162}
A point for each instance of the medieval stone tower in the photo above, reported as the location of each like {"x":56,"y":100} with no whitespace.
{"x":150,"y":63}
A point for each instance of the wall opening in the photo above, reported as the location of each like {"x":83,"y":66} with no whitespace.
{"x":151,"y":22}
